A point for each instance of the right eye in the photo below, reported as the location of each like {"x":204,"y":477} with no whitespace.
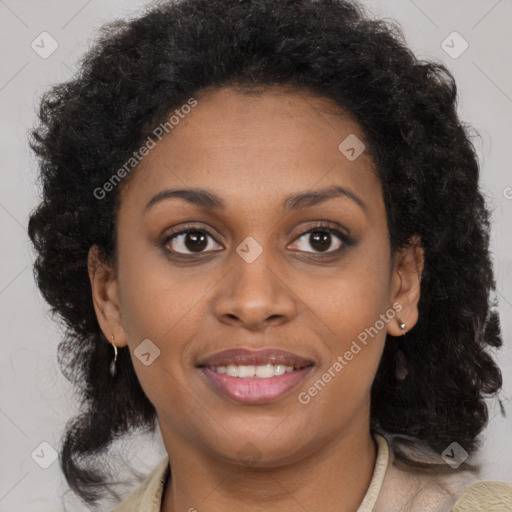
{"x":194,"y":240}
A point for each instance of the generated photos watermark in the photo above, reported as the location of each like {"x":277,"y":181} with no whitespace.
{"x":149,"y":144}
{"x":304,"y":397}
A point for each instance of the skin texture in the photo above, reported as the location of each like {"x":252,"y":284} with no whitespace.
{"x":253,"y":150}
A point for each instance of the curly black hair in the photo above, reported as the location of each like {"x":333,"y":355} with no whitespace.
{"x":140,"y":69}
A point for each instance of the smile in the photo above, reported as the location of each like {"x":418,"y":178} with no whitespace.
{"x":272,"y":374}
{"x":248,"y":372}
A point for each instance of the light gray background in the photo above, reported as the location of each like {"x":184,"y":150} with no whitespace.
{"x":35,"y":401}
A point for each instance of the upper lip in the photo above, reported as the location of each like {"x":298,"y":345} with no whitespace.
{"x":248,"y":357}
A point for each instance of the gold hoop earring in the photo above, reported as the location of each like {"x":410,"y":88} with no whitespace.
{"x":113,"y":363}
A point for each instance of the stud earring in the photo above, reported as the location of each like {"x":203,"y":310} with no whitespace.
{"x":401,"y":364}
{"x":113,"y":362}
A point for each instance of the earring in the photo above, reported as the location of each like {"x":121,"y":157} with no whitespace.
{"x":113,"y":363}
{"x":401,"y":364}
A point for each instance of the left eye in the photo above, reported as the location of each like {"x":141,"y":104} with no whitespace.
{"x":321,"y":239}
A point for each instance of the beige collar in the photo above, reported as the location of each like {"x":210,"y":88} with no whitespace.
{"x":392,"y":487}
{"x":148,"y":496}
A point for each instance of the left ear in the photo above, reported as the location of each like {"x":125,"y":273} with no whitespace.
{"x":406,"y":284}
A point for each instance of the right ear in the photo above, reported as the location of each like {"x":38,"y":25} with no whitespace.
{"x":105,"y":297}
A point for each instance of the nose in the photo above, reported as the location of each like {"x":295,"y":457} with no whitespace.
{"x":254,"y":295}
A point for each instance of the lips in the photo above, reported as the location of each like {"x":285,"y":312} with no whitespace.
{"x":226,"y":373}
{"x":246,"y":357}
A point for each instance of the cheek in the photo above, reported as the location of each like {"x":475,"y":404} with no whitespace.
{"x":354,"y":308}
{"x":155,"y":315}
{"x":164,"y":305}
{"x":355,"y":294}
{"x":157,"y":298}
{"x":353,"y":349}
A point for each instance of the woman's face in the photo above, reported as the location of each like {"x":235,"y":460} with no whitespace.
{"x":260,"y":270}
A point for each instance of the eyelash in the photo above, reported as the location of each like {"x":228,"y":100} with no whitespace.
{"x":320,"y":227}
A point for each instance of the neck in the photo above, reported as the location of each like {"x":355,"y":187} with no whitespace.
{"x":334,"y":478}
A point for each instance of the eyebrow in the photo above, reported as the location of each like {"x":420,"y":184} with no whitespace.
{"x":299,"y":201}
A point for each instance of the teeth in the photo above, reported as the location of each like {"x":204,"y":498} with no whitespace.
{"x":264,"y":372}
{"x":248,"y":372}
{"x":232,"y":370}
{"x":279,"y":369}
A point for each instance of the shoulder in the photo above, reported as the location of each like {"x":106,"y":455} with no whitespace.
{"x":487,"y":496}
{"x":147,"y":497}
{"x":438,"y":488}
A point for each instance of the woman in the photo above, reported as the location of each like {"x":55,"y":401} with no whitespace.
{"x":262,"y":227}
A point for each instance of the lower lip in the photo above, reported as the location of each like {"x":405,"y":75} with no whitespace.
{"x":255,"y":391}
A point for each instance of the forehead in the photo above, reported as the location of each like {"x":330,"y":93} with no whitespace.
{"x":258,"y":144}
